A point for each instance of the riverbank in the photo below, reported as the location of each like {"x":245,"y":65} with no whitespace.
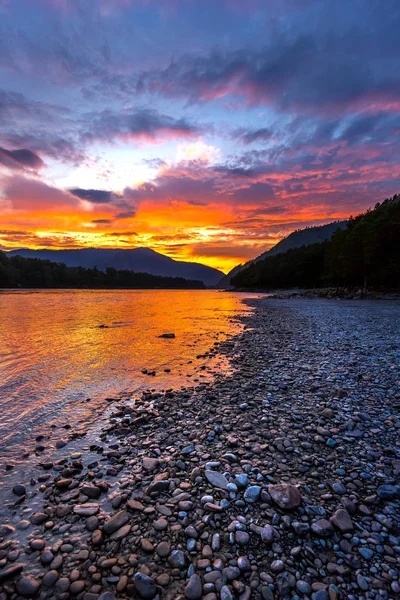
{"x":64,"y":353}
{"x":329,"y":293}
{"x":280,"y":480}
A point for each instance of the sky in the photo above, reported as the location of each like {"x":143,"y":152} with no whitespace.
{"x":206,"y":130}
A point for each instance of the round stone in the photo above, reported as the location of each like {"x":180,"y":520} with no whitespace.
{"x":50,"y":578}
{"x":285,"y":495}
{"x":194,"y":588}
{"x":27,"y":586}
{"x":163,"y":549}
{"x":77,"y":587}
{"x":242,"y":538}
{"x":267,"y":534}
{"x":177,"y":559}
{"x":252,"y":494}
{"x":322,"y":528}
{"x":277,"y":566}
{"x":19,"y":489}
{"x":145,"y":586}
{"x":303,"y":587}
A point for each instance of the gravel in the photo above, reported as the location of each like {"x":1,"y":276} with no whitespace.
{"x":280,"y":480}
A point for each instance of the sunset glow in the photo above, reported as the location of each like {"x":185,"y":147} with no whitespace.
{"x":204,"y":130}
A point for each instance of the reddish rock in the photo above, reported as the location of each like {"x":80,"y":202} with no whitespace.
{"x":342,"y":521}
{"x":285,"y":495}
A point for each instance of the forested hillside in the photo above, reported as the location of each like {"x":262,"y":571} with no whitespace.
{"x":296,"y":239}
{"x":138,"y":260}
{"x":364,"y":254}
{"x":19,"y":272}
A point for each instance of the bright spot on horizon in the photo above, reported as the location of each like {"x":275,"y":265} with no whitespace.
{"x":203,"y":130}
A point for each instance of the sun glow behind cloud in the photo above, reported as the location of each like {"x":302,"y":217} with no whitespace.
{"x":205,"y":133}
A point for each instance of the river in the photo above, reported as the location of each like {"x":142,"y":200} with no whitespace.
{"x":63,"y":352}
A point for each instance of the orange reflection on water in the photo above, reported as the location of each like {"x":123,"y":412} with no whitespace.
{"x":54,"y":355}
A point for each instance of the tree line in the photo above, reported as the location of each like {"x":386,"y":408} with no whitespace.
{"x":364,"y":255}
{"x":19,"y":272}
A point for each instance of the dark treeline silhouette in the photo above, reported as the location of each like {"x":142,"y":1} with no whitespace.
{"x":364,"y":254}
{"x":19,"y":272}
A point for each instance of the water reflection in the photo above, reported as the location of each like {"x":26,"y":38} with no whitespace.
{"x":54,"y":355}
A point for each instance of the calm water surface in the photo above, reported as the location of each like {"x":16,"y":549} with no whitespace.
{"x":54,"y":356}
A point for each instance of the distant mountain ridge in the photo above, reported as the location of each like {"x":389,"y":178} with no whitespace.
{"x":296,"y":239}
{"x":140,"y":260}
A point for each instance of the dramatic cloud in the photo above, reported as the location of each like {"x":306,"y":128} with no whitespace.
{"x":20,"y":159}
{"x":258,"y":135}
{"x":124,"y":204}
{"x":196,"y":184}
{"x":210,"y":129}
{"x":50,"y":144}
{"x":46,"y":129}
{"x":94,"y":196}
{"x":140,"y":125}
{"x":14,"y":105}
{"x":315,"y":68}
{"x":32,"y":195}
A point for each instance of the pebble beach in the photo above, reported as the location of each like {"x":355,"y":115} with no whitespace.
{"x":278,"y":480}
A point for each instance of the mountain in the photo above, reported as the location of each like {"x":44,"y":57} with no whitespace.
{"x":297,"y":239}
{"x":364,"y":254}
{"x":140,"y":260}
{"x":18,"y":272}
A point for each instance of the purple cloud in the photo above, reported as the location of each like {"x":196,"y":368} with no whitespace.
{"x":124,"y":206}
{"x":139,"y":124}
{"x":94,"y":196}
{"x":20,"y":159}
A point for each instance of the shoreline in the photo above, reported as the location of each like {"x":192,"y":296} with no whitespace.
{"x":53,"y":385}
{"x":328,"y":293}
{"x":279,"y":480}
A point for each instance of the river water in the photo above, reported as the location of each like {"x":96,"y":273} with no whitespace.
{"x":58,"y":366}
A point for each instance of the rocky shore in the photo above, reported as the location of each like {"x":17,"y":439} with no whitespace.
{"x":329,"y":293}
{"x":281,"y":480}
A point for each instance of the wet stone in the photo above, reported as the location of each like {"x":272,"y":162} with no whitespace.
{"x":11,"y":571}
{"x":91,"y":491}
{"x":267,"y":534}
{"x":38,"y":518}
{"x":27,"y":586}
{"x":362,"y":583}
{"x":339,"y":488}
{"x":150,"y":464}
{"x":342,"y":521}
{"x":177,"y":559}
{"x":285,"y":495}
{"x":322,"y":528}
{"x":300,"y":528}
{"x":50,"y":578}
{"x":225,"y":593}
{"x":19,"y":490}
{"x":163,"y":549}
{"x":6,"y":530}
{"x":86,"y":510}
{"x":388,"y":492}
{"x":194,"y":494}
{"x":194,"y":588}
{"x":145,"y":586}
{"x":285,"y":582}
{"x":242,"y":538}
{"x":303,"y":587}
{"x":217,"y":479}
{"x":252,"y":493}
{"x":115,"y":522}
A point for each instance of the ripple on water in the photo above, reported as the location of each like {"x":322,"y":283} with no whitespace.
{"x":54,"y":356}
